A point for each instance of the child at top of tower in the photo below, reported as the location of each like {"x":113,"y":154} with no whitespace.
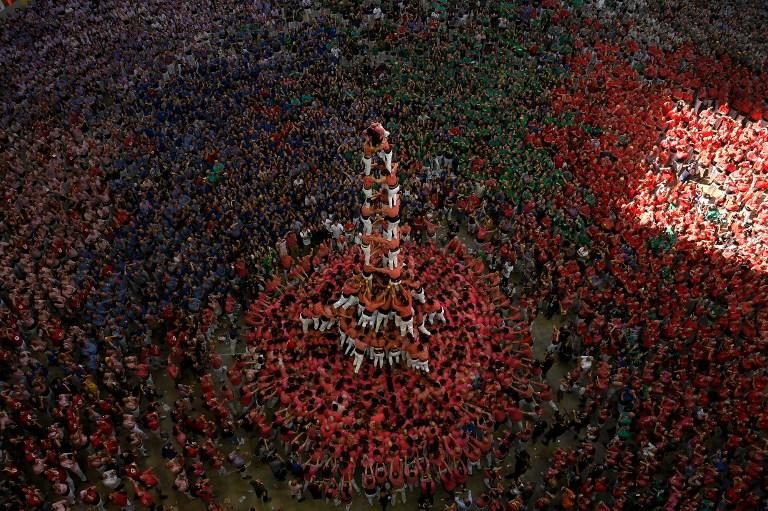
{"x":376,"y":141}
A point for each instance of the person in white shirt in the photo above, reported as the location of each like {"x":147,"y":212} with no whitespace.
{"x":419,"y":295}
{"x":506,"y":270}
{"x":111,"y":480}
{"x":337,"y":230}
{"x":464,"y":502}
{"x":282,"y":247}
{"x":306,"y":237}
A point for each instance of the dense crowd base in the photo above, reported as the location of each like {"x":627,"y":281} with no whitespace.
{"x":389,"y":413}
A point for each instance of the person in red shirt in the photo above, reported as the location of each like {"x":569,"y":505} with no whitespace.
{"x":371,"y":307}
{"x":33,"y":498}
{"x":91,"y":497}
{"x":447,"y":477}
{"x":404,"y":314}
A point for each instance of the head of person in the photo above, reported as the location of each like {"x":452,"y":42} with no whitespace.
{"x":373,"y":136}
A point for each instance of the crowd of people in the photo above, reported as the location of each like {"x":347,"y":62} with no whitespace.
{"x":732,"y":155}
{"x":611,"y":174}
{"x":396,"y":429}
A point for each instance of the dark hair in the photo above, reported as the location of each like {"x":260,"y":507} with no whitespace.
{"x":374,"y":136}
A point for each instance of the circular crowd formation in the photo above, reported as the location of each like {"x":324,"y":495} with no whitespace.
{"x":391,"y":413}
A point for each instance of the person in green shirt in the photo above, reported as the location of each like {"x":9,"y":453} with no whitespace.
{"x":624,"y":426}
{"x":215,"y":173}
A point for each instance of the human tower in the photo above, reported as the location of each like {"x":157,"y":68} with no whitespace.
{"x":383,"y":313}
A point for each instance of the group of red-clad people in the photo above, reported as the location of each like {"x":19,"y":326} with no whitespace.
{"x":727,"y":151}
{"x":399,"y":429}
{"x":383,"y":426}
{"x":668,"y":287}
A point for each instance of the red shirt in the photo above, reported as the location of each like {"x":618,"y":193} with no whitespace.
{"x":55,"y":474}
{"x":90,"y":496}
{"x":449,"y":483}
{"x":153,"y":421}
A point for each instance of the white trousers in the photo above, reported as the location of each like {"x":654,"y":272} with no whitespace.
{"x":401,"y":492}
{"x":350,"y":302}
{"x":392,"y":259}
{"x":406,"y":327}
{"x":382,"y":319}
{"x":393,"y":194}
{"x":377,"y":322}
{"x":350,"y":346}
{"x":367,"y":226}
{"x":359,"y":357}
{"x":305,"y":323}
{"x":391,"y":231}
{"x":345,"y":302}
{"x":387,"y":157}
{"x":378,"y":358}
{"x":367,"y":321}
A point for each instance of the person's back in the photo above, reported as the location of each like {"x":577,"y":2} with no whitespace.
{"x":385,"y":497}
{"x":278,"y":469}
{"x":315,"y":490}
{"x":568,"y":499}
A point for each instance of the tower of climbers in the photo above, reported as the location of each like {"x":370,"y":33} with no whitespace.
{"x":383,"y":312}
